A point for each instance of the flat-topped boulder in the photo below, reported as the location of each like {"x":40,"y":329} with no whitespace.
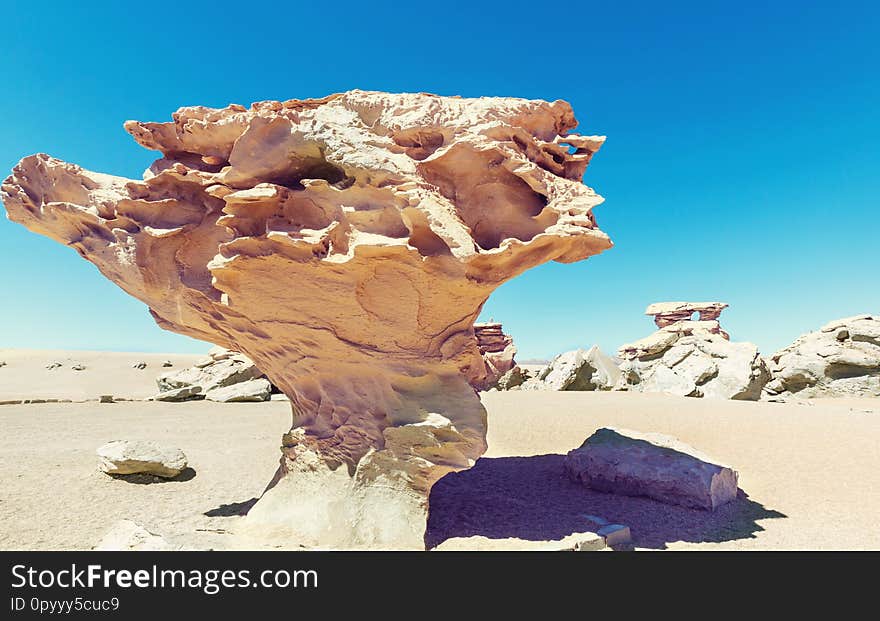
{"x":631,"y":463}
{"x":141,"y":457}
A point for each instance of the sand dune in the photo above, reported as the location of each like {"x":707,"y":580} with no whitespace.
{"x":811,"y":471}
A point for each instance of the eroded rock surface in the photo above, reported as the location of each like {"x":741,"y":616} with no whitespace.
{"x":346,"y":246}
{"x":692,"y":358}
{"x":840,"y":359}
{"x":667,"y":313}
{"x":498,"y":352}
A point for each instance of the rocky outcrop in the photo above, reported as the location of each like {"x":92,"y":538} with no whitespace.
{"x":840,"y":359}
{"x":221,"y":369}
{"x":346,"y":245}
{"x":141,"y":457}
{"x":692,"y":358}
{"x":578,"y":369}
{"x":497,"y":350}
{"x":620,"y":461}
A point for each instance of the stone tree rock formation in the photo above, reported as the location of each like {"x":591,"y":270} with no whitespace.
{"x":692,"y":358}
{"x":346,"y":245}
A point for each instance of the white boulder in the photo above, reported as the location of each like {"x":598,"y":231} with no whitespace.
{"x":141,"y":457}
{"x":578,"y":369}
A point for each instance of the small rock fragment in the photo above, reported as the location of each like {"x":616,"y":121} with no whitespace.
{"x":616,"y":535}
{"x":128,"y":535}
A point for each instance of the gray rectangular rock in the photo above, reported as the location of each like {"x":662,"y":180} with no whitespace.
{"x":631,"y":463}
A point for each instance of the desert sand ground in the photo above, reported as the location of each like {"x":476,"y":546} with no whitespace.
{"x":809,"y":472}
{"x":107,"y":373}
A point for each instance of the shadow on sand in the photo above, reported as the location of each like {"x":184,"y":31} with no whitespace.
{"x":532,"y":498}
{"x":187,"y":474}
{"x":232,"y":509}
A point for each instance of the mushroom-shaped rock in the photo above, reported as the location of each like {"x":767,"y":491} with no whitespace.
{"x":346,"y":245}
{"x":141,"y":457}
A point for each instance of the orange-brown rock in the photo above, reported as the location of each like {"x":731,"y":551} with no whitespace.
{"x":346,"y":245}
{"x":497,"y":349}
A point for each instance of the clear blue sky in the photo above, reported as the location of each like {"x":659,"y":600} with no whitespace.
{"x":742,"y":162}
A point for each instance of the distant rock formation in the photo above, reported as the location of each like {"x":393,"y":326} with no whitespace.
{"x":346,"y":245}
{"x":692,"y":358}
{"x":497,"y":350}
{"x":579,"y":369}
{"x":224,"y":375}
{"x":841,"y":359}
{"x":668,"y":313}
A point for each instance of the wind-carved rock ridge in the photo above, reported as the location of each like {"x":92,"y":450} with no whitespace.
{"x":346,"y":245}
